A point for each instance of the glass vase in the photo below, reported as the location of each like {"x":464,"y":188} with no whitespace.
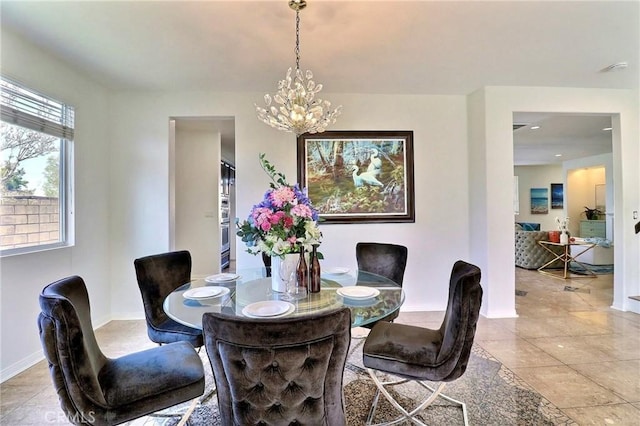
{"x":283,"y":271}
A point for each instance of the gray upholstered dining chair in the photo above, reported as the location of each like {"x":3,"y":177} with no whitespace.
{"x":281,"y":371}
{"x":384,"y":259}
{"x":158,"y":275}
{"x":421,"y":354}
{"x":387,"y":260}
{"x":97,"y":390}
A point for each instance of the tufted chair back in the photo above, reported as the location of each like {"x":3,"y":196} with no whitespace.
{"x":458,"y":328}
{"x":158,"y":275}
{"x":388,"y":260}
{"x":74,"y":366}
{"x":285,"y":371}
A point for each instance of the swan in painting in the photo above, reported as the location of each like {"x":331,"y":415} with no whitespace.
{"x":364,"y":178}
{"x":375,"y":163}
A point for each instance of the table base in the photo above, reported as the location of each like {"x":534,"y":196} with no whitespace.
{"x":566,"y":258}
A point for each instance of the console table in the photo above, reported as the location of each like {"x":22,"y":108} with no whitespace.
{"x":566,"y":258}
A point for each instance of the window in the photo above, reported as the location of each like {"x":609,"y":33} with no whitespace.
{"x":36,"y":137}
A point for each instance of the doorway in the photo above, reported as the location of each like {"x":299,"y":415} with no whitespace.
{"x":201,"y":196}
{"x":572,"y":152}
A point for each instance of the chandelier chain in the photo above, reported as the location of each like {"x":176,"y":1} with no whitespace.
{"x":297,"y":39}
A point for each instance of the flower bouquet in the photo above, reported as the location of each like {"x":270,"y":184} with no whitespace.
{"x":563,"y":226}
{"x":283,"y":222}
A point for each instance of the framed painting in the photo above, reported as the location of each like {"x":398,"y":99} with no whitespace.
{"x":557,"y":196}
{"x":539,"y":201}
{"x":358,"y":176}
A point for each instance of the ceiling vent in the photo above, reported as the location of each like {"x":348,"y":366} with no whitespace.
{"x":616,"y":67}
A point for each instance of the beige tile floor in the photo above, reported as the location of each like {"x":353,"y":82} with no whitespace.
{"x":568,"y":345}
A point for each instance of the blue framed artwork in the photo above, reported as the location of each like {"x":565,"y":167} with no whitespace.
{"x":557,"y":196}
{"x":539,"y":201}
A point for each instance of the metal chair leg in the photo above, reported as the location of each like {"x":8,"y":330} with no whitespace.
{"x":405,"y":414}
{"x":205,"y":397}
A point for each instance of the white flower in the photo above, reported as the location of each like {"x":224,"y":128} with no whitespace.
{"x":562,"y":223}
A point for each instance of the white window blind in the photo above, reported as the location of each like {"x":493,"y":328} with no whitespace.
{"x":27,"y":108}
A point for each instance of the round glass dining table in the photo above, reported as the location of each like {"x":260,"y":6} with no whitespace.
{"x":252,"y":285}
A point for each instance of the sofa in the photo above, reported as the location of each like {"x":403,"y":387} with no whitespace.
{"x":531,"y":255}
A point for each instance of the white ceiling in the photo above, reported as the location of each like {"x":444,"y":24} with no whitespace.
{"x":560,"y":137}
{"x":413,"y":47}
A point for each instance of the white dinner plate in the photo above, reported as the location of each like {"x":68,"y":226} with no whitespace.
{"x":202,"y":293}
{"x":358,"y":292}
{"x":207,"y":301}
{"x":268,"y":309}
{"x":337,"y":270}
{"x":221,"y":278}
{"x":360,"y":303}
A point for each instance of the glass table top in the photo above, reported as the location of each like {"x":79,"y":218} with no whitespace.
{"x":252,"y":285}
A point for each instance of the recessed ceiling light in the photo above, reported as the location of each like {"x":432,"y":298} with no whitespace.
{"x":535,"y":127}
{"x":606,"y":129}
{"x":558,"y":155}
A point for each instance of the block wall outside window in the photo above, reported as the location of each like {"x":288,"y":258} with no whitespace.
{"x":29,"y":220}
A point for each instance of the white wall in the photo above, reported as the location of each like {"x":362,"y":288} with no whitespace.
{"x":435,"y":241}
{"x":588,"y":194}
{"x":22,"y":277}
{"x":538,"y":177}
{"x":197,"y":186}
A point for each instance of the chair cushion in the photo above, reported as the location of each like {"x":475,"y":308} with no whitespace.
{"x":401,"y":349}
{"x":145,"y":374}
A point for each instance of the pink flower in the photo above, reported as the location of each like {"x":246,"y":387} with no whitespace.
{"x":275,"y":217}
{"x":261,"y":215}
{"x":265,"y":226}
{"x":282,"y":196}
{"x":301,"y":210}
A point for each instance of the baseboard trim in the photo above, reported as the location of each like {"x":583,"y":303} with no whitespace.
{"x":18,"y":367}
{"x":34,"y":358}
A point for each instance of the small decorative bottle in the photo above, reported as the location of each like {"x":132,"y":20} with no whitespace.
{"x":314,"y":271}
{"x":302,"y":273}
{"x":266,"y":259}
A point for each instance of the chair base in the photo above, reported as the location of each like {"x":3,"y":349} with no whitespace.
{"x":405,"y":414}
{"x":358,"y":334}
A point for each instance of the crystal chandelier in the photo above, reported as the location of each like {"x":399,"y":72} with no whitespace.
{"x":295,"y":108}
